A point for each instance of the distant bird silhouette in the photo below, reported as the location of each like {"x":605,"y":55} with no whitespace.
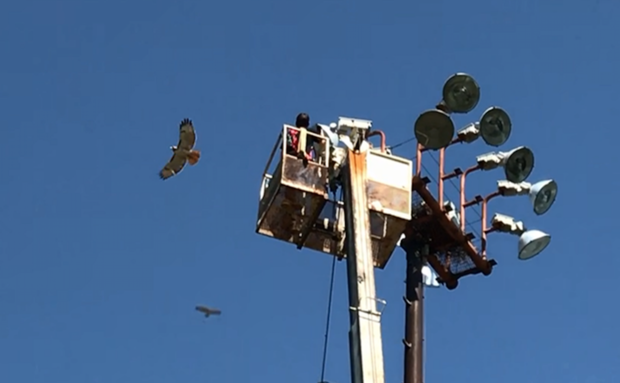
{"x":208,"y":311}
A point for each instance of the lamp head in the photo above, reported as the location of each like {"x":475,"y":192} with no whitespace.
{"x":532,"y":242}
{"x":495,"y":126}
{"x":509,"y":189}
{"x":470,"y":133}
{"x":461,"y":93}
{"x":542,"y":195}
{"x":434,"y":129}
{"x":518,"y":164}
{"x":507,"y":224}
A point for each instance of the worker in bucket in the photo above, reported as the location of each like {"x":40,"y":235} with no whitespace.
{"x":292,"y":139}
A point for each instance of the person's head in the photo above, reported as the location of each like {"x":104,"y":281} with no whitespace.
{"x":302,"y":121}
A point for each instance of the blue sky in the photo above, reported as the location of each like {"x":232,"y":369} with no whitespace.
{"x":101,"y":263}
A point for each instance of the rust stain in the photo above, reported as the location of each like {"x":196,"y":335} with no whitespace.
{"x":419,"y":186}
{"x":357,"y":162}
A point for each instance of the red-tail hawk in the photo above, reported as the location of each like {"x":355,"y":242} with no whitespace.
{"x":208,"y":311}
{"x":183,"y":152}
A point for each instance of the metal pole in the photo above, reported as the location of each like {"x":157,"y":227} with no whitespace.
{"x":414,"y":315}
{"x":366,"y":353}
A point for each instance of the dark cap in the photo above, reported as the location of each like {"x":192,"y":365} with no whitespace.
{"x":302,"y":121}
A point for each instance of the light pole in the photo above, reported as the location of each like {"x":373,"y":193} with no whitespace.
{"x":436,"y":234}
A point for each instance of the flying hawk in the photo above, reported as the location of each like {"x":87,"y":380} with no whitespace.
{"x":207,"y":310}
{"x":183,"y":151}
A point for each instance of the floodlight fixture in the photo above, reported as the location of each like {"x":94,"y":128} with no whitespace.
{"x":434,"y":129}
{"x":532,"y":243}
{"x":495,"y":126}
{"x":510,"y":189}
{"x":517,"y":163}
{"x":542,"y":194}
{"x":461,"y":94}
{"x":507,"y":224}
{"x":469,"y":133}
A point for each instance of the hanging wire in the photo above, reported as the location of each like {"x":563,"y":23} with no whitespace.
{"x":402,"y":143}
{"x":328,"y":320}
{"x":430,"y":175}
{"x":335,"y":214}
{"x":475,"y":209}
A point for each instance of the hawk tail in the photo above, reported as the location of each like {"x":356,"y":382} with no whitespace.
{"x":193,"y":157}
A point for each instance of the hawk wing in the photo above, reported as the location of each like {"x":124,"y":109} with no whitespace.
{"x":202,"y":309}
{"x":187,"y":135}
{"x":174,"y":166}
{"x":215,"y":311}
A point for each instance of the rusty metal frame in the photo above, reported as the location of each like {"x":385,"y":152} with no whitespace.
{"x":279,"y":176}
{"x":380,"y":134}
{"x":303,"y":133}
{"x":484,"y":225}
{"x":445,"y":177}
{"x":483,"y":265}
